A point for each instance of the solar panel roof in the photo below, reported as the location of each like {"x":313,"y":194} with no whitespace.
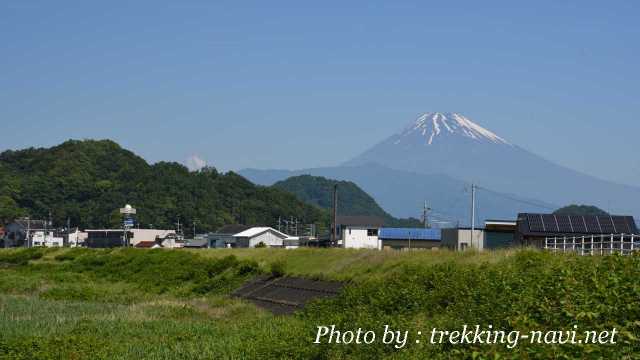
{"x":409,"y":233}
{"x":576,"y":224}
{"x":550,"y":223}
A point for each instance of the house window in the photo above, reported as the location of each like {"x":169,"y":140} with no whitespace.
{"x":372,"y":232}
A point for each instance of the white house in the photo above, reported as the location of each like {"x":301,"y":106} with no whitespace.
{"x":359,"y":232}
{"x":256,"y":235}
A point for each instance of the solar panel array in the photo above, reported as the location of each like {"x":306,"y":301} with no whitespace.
{"x":578,"y":224}
{"x":550,"y":223}
{"x":606,"y":224}
{"x":601,"y":224}
{"x":535,"y":222}
{"x":593,"y":226}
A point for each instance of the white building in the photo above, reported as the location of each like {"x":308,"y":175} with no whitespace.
{"x":108,"y":238}
{"x":359,"y":232}
{"x":76,"y":238}
{"x":39,"y":239}
{"x":268,"y":236}
{"x":292,"y":242}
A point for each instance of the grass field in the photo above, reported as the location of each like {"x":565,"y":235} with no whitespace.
{"x":162,"y":304}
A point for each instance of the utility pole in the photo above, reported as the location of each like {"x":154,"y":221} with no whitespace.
{"x":334,"y":230}
{"x":194,"y":229}
{"x":473,"y":212}
{"x":425,"y":215}
{"x":178,"y":230}
{"x":44,"y":237}
{"x":69,"y":232}
{"x":28,"y":231}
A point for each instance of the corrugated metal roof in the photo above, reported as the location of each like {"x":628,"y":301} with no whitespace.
{"x":259,"y":230}
{"x":410,"y":233}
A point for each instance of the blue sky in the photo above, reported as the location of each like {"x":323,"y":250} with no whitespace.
{"x":301,"y":84}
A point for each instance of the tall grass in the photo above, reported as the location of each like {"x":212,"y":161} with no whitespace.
{"x":130,"y":303}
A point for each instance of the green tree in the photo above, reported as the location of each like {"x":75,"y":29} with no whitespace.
{"x":580,"y":210}
{"x":9,"y":210}
{"x":88,"y":181}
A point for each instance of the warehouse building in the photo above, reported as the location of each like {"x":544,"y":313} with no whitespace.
{"x":223,"y":237}
{"x":256,"y":236}
{"x":409,"y":238}
{"x":499,"y":233}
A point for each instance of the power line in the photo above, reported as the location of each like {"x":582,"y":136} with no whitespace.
{"x":515,"y":199}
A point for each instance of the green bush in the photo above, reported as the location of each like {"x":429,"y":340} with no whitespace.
{"x":71,"y":254}
{"x":531,"y":291}
{"x":160,"y":271}
{"x":21,"y":256}
{"x":277,"y":268}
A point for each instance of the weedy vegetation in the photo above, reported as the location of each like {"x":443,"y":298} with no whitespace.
{"x":172,"y":304}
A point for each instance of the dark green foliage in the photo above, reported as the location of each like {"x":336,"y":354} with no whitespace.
{"x":533,"y":291}
{"x":160,"y":271}
{"x":580,"y":210}
{"x":278,"y":268}
{"x":20,"y":256}
{"x":317,"y":190}
{"x":88,"y":181}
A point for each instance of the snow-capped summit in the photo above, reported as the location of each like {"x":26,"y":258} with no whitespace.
{"x":433,"y":124}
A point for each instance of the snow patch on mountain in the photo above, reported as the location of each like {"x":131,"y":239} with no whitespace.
{"x":433,"y":124}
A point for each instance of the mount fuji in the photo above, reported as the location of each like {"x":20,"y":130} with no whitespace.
{"x":451,"y":144}
{"x":438,"y":154}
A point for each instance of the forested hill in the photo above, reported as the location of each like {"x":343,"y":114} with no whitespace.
{"x":574,"y":209}
{"x":352,"y":200}
{"x":88,"y":181}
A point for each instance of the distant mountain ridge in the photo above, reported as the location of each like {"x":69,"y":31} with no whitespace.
{"x":451,"y":144}
{"x":403,"y":193}
{"x":352,"y":200}
{"x":438,"y":154}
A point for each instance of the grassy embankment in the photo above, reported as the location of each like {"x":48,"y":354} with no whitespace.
{"x":173,"y":304}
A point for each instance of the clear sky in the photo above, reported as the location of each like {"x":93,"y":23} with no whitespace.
{"x":295,"y":84}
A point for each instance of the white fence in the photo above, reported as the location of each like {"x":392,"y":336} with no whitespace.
{"x":623,"y":244}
